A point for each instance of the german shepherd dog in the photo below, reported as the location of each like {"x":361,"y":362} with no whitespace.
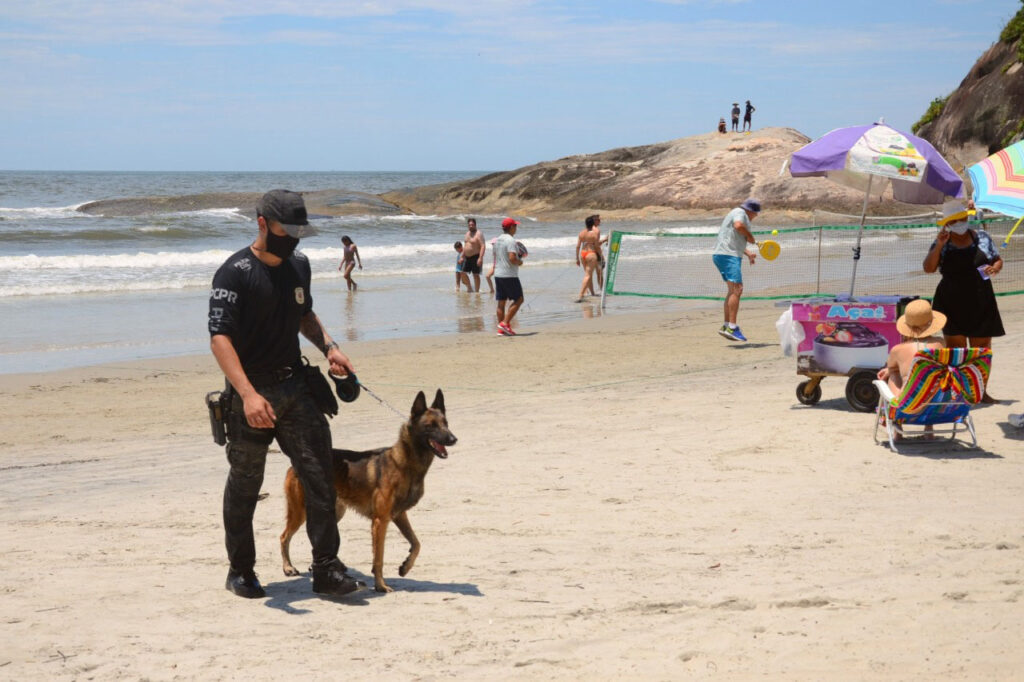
{"x":381,"y":484}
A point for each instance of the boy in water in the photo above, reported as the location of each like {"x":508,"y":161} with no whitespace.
{"x":460,"y":276}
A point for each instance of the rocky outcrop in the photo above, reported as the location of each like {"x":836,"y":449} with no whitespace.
{"x":688,"y":177}
{"x":986,"y":112}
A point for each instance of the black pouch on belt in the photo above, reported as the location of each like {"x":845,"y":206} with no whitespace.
{"x":323,"y":396}
{"x":215,"y":403}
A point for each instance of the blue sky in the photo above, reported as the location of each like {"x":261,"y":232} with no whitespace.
{"x":450,"y":85}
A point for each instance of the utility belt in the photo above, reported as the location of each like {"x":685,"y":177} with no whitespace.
{"x":219,"y":402}
{"x":274,"y":376}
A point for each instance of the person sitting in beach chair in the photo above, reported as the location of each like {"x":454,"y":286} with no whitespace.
{"x":919,"y":326}
{"x":940,"y":389}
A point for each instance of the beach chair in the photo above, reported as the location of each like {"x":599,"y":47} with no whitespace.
{"x":942,"y":386}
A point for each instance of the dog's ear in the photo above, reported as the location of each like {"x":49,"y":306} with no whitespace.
{"x":439,"y":402}
{"x":419,"y":406}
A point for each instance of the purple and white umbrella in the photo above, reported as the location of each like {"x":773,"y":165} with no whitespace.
{"x":871,"y":157}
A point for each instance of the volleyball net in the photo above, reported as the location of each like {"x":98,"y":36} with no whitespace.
{"x":814,"y":261}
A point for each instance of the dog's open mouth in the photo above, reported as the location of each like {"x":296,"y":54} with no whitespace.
{"x":439,"y":450}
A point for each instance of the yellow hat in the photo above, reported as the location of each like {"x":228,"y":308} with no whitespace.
{"x":953,"y":211}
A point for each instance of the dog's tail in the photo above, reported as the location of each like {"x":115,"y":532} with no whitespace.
{"x":341,"y":456}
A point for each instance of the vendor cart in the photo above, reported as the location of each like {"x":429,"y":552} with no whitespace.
{"x":844,"y":337}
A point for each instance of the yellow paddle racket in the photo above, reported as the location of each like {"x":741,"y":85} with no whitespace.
{"x":769,"y":249}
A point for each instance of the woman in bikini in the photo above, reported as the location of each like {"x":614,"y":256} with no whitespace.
{"x":349,"y":260}
{"x":588,"y":253}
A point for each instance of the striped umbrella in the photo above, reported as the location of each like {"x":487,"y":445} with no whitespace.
{"x":999,"y":183}
{"x":877,"y":156}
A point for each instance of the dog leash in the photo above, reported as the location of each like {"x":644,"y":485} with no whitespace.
{"x":380,"y":400}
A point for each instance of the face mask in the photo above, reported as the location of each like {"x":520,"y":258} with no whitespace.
{"x":281,"y":247}
{"x":958,"y":228}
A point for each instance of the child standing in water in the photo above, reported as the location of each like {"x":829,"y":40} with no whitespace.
{"x":349,"y":260}
{"x":460,"y":276}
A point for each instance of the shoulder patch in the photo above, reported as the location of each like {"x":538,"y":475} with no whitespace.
{"x":300,"y":295}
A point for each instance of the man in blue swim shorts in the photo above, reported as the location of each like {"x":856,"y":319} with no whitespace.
{"x":733,"y":237}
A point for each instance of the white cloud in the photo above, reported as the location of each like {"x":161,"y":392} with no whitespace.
{"x":509,"y":31}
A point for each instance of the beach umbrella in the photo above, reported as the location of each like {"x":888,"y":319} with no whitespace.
{"x":873,"y":157}
{"x":999,"y":183}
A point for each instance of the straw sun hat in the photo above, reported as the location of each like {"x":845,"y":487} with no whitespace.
{"x":919,"y":320}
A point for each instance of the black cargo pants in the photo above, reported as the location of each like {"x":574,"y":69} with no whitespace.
{"x":304,"y":436}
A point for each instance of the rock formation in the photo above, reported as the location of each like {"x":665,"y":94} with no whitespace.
{"x":689,"y":177}
{"x":986,"y":112}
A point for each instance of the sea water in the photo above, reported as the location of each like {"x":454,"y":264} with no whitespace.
{"x":79,"y":289}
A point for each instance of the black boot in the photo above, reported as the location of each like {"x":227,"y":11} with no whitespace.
{"x":244,"y":584}
{"x":333,"y":580}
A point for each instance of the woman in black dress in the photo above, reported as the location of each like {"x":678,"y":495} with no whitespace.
{"x":967,"y":260}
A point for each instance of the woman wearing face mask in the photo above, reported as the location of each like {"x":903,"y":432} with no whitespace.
{"x":967,"y":260}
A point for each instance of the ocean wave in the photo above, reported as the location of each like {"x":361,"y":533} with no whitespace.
{"x":119,"y":261}
{"x":65,"y":288}
{"x":110,"y":234}
{"x":42,"y":212}
{"x":416,"y":218}
{"x":486,"y":221}
{"x":236,"y":214}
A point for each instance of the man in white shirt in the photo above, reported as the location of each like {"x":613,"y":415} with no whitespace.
{"x":507,"y":288}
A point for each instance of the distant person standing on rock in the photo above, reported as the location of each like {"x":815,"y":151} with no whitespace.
{"x":735,"y":117}
{"x":746,"y":116}
{"x":721,"y":126}
{"x":733,"y":237}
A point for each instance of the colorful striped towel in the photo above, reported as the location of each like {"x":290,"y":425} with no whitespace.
{"x":942,"y":385}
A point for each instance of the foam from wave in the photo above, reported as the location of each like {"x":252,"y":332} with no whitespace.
{"x":228,"y":213}
{"x":42,"y":212}
{"x":97,"y":286}
{"x":117,"y":261}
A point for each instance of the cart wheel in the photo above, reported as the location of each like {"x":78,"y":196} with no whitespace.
{"x":861,"y":392}
{"x":811,"y":399}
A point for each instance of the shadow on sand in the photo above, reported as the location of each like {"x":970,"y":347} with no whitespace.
{"x":287,"y":595}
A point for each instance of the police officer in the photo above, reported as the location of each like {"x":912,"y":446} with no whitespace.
{"x":259,"y":303}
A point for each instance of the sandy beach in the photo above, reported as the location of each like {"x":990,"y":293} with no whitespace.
{"x":631,"y":497}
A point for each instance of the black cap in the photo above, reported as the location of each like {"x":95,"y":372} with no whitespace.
{"x":287,"y":208}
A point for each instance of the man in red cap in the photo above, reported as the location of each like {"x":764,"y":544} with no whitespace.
{"x":507,"y":288}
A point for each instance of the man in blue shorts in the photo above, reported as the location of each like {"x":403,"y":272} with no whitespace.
{"x":733,"y":237}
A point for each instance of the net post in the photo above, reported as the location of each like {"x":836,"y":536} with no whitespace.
{"x":610,"y":264}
